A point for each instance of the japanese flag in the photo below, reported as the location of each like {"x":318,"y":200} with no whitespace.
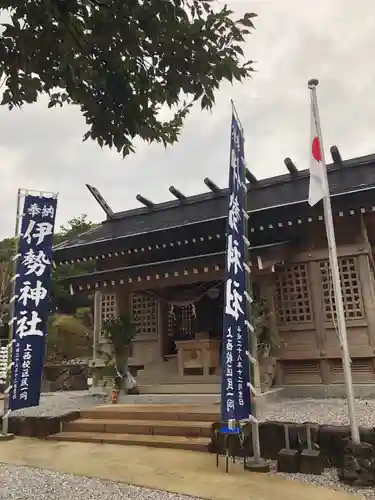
{"x":318,"y":186}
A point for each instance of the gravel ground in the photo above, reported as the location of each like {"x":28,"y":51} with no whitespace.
{"x":23,"y":483}
{"x":59,"y":403}
{"x":327,"y":480}
{"x":47,"y":484}
{"x":321,"y":411}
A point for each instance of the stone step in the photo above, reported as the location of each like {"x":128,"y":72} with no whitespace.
{"x":155,"y":413}
{"x":178,"y":379}
{"x":176,"y":442}
{"x":136,"y":426}
{"x":168,"y":367}
{"x":167,"y":399}
{"x":179,"y":388}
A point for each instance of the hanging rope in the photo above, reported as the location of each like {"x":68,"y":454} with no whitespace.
{"x":185,"y":302}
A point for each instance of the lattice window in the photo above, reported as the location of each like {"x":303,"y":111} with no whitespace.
{"x":293,"y":295}
{"x":181,"y":318}
{"x":108,"y":308}
{"x":145,"y":314}
{"x":350,"y":285}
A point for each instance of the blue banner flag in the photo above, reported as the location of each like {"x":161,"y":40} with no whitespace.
{"x":31,"y":300}
{"x":235,"y":376}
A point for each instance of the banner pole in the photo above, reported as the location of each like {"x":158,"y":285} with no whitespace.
{"x":252,"y":338}
{"x":6,"y":415}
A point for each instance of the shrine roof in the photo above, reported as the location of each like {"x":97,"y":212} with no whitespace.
{"x":345,"y":177}
{"x":147,"y":271}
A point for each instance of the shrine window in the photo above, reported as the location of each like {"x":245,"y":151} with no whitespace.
{"x":145,"y":313}
{"x":351,"y":289}
{"x":293,"y":298}
{"x":181,"y":321}
{"x":108,"y":308}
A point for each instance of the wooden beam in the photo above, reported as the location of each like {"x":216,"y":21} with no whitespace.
{"x":290,"y":166}
{"x":335,"y":153}
{"x":147,"y":203}
{"x":162,"y":282}
{"x":99,"y":198}
{"x":176,"y":193}
{"x":365,"y":237}
{"x":250,"y":176}
{"x":212,"y":186}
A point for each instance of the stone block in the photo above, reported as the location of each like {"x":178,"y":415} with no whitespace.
{"x":288,"y":461}
{"x":331,"y":441}
{"x":39,"y":427}
{"x":312,"y":462}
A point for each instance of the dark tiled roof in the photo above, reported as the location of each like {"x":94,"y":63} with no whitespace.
{"x":280,"y":191}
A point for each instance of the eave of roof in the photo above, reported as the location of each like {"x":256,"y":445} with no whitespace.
{"x":132,"y":272}
{"x":351,"y":176}
{"x":282,"y":179}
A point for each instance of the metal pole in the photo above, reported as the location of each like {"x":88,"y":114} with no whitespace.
{"x":336,"y":275}
{"x":252,"y":339}
{"x":5,"y":419}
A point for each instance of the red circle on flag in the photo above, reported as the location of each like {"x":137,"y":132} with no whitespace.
{"x":317,"y":155}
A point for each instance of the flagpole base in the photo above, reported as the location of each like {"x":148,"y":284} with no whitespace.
{"x":253,"y":465}
{"x":6,"y":437}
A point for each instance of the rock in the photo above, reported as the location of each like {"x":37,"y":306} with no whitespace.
{"x":358,"y":468}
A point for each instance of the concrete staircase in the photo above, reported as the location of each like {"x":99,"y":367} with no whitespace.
{"x":191,"y":389}
{"x":186,"y":427}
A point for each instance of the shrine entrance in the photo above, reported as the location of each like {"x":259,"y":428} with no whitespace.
{"x":193,"y":327}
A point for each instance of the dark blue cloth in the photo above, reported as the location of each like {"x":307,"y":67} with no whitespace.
{"x":31,"y":300}
{"x":235,"y":377}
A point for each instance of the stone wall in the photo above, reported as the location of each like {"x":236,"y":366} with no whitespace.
{"x":65,"y":377}
{"x":330,"y":439}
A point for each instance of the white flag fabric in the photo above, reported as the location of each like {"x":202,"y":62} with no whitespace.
{"x":317,"y":187}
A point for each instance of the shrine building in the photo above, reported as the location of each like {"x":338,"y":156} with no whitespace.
{"x":165,"y":264}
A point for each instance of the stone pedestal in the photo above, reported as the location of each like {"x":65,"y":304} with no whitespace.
{"x":311,"y":462}
{"x":288,"y":461}
{"x":6,"y":437}
{"x":253,"y":465}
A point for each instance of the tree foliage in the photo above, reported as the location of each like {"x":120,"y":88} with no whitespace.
{"x":5,"y":277}
{"x":120,"y":333}
{"x":68,"y":337}
{"x":121,"y":61}
{"x":61,"y":299}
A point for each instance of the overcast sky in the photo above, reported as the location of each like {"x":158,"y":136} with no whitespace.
{"x":333,"y":41}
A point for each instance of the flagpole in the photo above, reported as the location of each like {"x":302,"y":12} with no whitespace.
{"x":5,"y":419}
{"x":332,"y":249}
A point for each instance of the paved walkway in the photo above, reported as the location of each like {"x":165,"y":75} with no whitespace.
{"x":169,"y":470}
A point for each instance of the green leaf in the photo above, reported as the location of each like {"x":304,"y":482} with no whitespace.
{"x":121,"y":61}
